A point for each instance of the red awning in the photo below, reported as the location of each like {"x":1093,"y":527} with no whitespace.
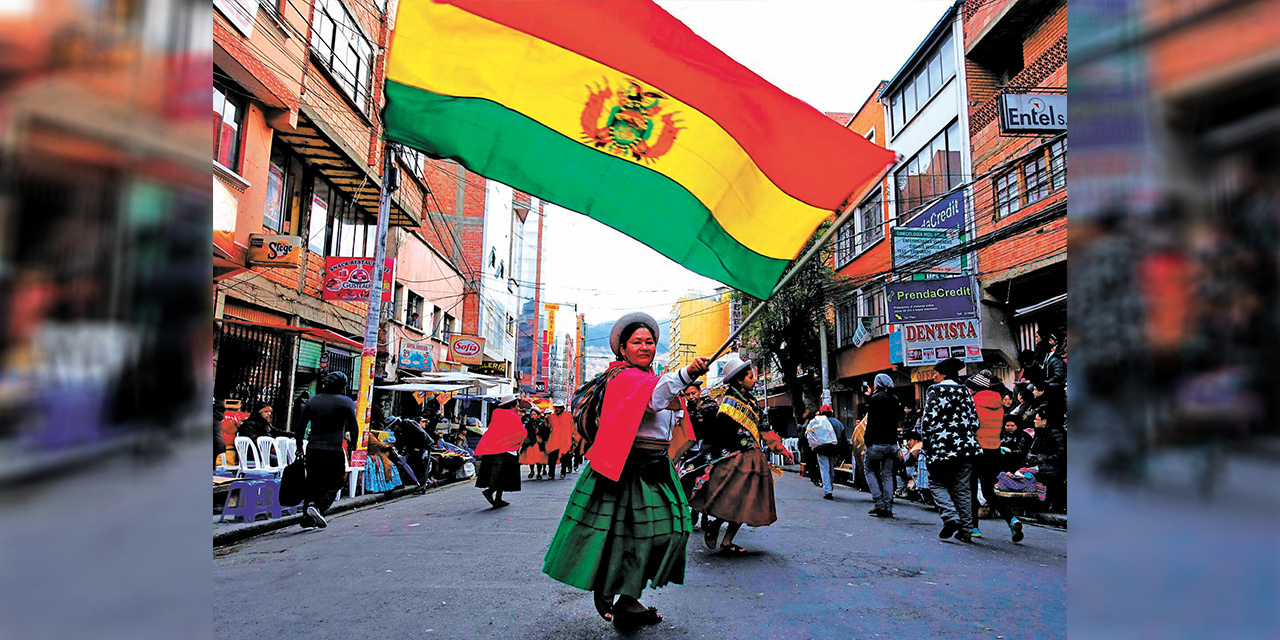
{"x":870,"y":357}
{"x":323,"y":335}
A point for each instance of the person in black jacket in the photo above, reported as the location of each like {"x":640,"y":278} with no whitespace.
{"x":333,"y":420}
{"x":1048,"y":457}
{"x":881,"y":438}
{"x":1055,"y":380}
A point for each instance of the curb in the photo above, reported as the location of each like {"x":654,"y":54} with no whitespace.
{"x":226,"y":538}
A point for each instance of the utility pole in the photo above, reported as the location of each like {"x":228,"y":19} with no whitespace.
{"x":822,"y":350}
{"x":683,"y":350}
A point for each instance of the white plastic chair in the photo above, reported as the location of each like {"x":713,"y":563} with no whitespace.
{"x":353,"y":479}
{"x":265,"y":445}
{"x":286,"y":451}
{"x":247,"y":452}
{"x":224,"y":467}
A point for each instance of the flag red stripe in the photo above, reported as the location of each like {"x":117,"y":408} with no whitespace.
{"x":804,"y":153}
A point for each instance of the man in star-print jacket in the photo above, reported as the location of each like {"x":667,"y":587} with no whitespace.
{"x":948,"y":423}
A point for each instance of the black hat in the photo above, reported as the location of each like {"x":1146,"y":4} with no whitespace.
{"x":950,"y":367}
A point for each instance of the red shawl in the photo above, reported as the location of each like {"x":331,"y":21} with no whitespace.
{"x":625,"y":400}
{"x":561,"y":432}
{"x":505,"y":433}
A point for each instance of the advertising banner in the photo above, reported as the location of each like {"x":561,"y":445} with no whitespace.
{"x":466,"y":349}
{"x":416,"y":356}
{"x":910,"y":245}
{"x":896,"y":355}
{"x":490,"y":368}
{"x":930,"y":300}
{"x":283,"y":252}
{"x":351,"y":278}
{"x":947,"y":213}
{"x":931,"y":342}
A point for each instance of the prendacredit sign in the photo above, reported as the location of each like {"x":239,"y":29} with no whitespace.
{"x":468,"y":349}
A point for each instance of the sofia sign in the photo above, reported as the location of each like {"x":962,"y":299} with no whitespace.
{"x":468,"y":349}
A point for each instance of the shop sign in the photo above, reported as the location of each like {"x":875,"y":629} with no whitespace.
{"x":283,"y":252}
{"x":466,"y":349}
{"x":896,"y":355}
{"x":240,"y":13}
{"x":352,"y":278}
{"x":490,"y":368}
{"x":416,"y":356}
{"x":947,"y":213}
{"x":931,"y":342}
{"x":1033,"y":113}
{"x":930,"y":300}
{"x":910,"y":245}
{"x":225,"y":207}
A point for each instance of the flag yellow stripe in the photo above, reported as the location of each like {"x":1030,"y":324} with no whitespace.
{"x":449,"y":51}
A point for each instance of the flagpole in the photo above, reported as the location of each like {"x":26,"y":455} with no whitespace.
{"x":841,"y":219}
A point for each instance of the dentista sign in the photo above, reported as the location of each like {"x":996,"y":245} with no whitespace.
{"x":1033,"y":113}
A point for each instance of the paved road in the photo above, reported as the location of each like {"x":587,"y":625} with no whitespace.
{"x":444,"y":565}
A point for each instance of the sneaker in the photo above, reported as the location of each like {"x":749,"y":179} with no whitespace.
{"x":975,"y":533}
{"x":1015,"y":526}
{"x":827,"y":496}
{"x":874,"y":512}
{"x":964,"y":536}
{"x":949,"y":528}
{"x":316,"y":518}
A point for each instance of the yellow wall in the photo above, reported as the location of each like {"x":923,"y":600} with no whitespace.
{"x":703,"y":323}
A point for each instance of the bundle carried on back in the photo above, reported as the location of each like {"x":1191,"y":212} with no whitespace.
{"x":587,"y":402}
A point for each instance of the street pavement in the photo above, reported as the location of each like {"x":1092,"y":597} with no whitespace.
{"x":445,"y":565}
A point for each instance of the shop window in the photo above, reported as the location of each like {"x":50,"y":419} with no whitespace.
{"x":337,"y":41}
{"x":228,"y":120}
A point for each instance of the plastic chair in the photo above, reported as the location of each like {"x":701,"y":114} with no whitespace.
{"x":265,"y":445}
{"x":353,"y":479}
{"x":223,"y":467}
{"x":286,"y":451}
{"x":249,"y":501}
{"x":250,"y":463}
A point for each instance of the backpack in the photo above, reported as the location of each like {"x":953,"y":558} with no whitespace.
{"x":587,"y":403}
{"x":819,"y":433}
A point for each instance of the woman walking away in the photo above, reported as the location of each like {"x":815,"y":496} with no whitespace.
{"x":627,"y":520}
{"x":883,"y":412}
{"x":737,"y":487}
{"x":333,"y":419}
{"x":986,"y":466}
{"x":949,"y":423}
{"x":499,"y":467}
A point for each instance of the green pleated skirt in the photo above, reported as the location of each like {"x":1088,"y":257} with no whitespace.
{"x":619,"y":537}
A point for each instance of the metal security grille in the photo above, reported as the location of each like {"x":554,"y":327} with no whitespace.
{"x":341,"y":361}
{"x":254,"y":365}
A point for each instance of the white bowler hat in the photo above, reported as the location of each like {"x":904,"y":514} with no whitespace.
{"x":507,"y":399}
{"x":733,"y":365}
{"x":615,"y":335}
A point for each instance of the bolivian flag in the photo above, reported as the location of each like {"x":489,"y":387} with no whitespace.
{"x":618,"y":111}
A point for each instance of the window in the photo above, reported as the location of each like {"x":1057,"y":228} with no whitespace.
{"x":354,"y":232}
{"x":872,"y":315}
{"x":275,"y":212}
{"x":398,"y":303}
{"x":321,"y":196}
{"x":414,"y":161}
{"x":336,"y":39}
{"x":846,"y":315}
{"x":1058,"y":164}
{"x":843,"y":245}
{"x":1008,"y":198}
{"x":928,"y":79}
{"x":511,"y":325}
{"x":931,"y":172}
{"x":435,"y":324}
{"x":1037,"y":180}
{"x":448,"y":326}
{"x":413,"y":308}
{"x":870,"y":221}
{"x":228,"y":117}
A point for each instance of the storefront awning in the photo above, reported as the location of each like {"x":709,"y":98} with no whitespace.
{"x":1041,"y":305}
{"x":869,"y":358}
{"x":323,"y":335}
{"x":430,"y":388}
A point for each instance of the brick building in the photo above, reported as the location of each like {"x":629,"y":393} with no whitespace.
{"x":1016,"y":70}
{"x":298,"y":161}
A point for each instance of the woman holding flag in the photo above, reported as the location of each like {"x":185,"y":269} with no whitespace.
{"x":627,"y":521}
{"x":499,"y":467}
{"x":737,"y":485}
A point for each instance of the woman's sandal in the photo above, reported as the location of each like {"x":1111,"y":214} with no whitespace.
{"x":604,"y":605}
{"x":624,"y":618}
{"x":711,"y":533}
{"x":732,"y":550}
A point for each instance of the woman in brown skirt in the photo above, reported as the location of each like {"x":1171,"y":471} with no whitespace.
{"x":736,"y":486}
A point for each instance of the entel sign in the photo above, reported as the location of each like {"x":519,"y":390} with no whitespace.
{"x":1033,"y":113}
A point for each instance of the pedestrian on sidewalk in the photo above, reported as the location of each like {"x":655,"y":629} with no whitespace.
{"x":626,"y":524}
{"x":808,"y":460}
{"x":990,"y":408}
{"x":883,"y":412}
{"x":737,"y":486}
{"x":561,"y":440}
{"x":533,"y":452}
{"x":949,"y":422}
{"x":332,"y":416}
{"x":497,"y":450}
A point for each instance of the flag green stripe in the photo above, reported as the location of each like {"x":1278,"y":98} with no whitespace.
{"x":498,"y":143}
